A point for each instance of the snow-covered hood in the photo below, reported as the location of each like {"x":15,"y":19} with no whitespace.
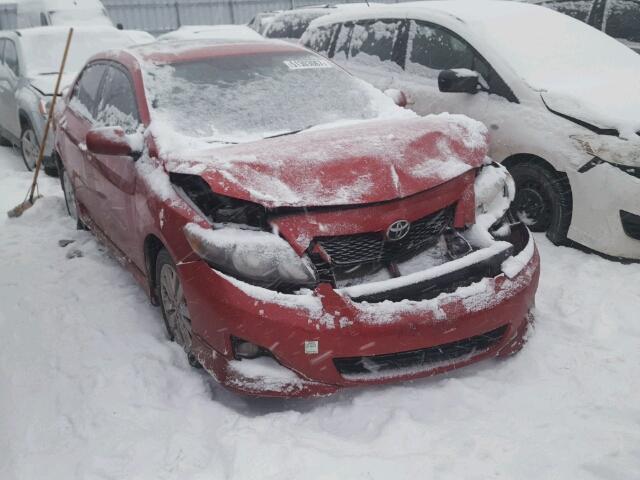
{"x":46,"y":84}
{"x":606,"y":105}
{"x":367,"y":162}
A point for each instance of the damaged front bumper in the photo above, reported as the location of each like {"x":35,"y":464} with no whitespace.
{"x":413,"y":326}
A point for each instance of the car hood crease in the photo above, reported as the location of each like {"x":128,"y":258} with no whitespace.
{"x":366,"y":162}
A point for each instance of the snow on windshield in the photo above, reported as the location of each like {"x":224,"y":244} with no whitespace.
{"x":247,"y":97}
{"x":44,"y":50}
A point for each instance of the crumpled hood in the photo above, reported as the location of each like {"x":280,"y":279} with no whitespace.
{"x":372,"y":161}
{"x":604,"y":103}
{"x":46,"y":84}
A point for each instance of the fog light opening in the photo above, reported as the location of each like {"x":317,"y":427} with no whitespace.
{"x":242,"y":349}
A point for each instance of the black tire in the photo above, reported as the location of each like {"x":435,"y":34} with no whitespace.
{"x":51,"y":170}
{"x":543,"y":199}
{"x":69,"y":200}
{"x":29,"y":146}
{"x":4,"y":142}
{"x":172,"y":314}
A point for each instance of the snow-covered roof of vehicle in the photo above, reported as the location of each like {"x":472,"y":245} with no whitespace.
{"x":192,"y":32}
{"x":64,"y":30}
{"x":175,"y":50}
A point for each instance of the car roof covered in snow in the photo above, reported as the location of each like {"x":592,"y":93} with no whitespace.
{"x":186,"y":50}
{"x":64,"y":30}
{"x":224,"y":32}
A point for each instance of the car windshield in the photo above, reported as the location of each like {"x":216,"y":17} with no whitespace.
{"x":44,"y":50}
{"x":245,"y":97}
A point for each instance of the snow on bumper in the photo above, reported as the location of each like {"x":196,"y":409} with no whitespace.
{"x":343,"y":329}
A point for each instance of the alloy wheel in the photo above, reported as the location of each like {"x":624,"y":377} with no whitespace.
{"x":175,"y":307}
{"x":30,"y":148}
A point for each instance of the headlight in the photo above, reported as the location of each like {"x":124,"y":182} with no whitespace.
{"x":43,"y":107}
{"x":612,"y":150}
{"x":259,"y":257}
{"x":495,"y":189}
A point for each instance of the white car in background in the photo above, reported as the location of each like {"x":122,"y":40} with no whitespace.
{"x":560,"y":98}
{"x":212,"y":32}
{"x":291,"y":24}
{"x":42,"y":13}
{"x":29,"y":63}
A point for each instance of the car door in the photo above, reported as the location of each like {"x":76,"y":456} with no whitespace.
{"x":3,"y":85}
{"x":115,"y":176}
{"x":430,"y":50}
{"x":79,"y":118}
{"x":8,"y":86}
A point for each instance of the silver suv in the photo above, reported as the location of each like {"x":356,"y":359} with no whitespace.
{"x":29,"y":62}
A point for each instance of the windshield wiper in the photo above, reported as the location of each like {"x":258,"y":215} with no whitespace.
{"x":292,"y":132}
{"x":224,"y":142}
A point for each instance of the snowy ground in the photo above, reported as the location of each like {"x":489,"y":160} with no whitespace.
{"x":91,"y":389}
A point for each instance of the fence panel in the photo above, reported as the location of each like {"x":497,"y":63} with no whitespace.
{"x":8,"y":16}
{"x":159,"y":16}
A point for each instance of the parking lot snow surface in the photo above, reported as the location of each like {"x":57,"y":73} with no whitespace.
{"x":90,"y":388}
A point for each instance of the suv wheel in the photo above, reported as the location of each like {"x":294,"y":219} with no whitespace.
{"x":29,"y":147}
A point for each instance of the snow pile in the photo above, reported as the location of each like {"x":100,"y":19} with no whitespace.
{"x":91,"y":388}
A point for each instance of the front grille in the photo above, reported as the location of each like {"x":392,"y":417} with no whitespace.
{"x":447,"y":283}
{"x":425,"y":357}
{"x":370,"y":251}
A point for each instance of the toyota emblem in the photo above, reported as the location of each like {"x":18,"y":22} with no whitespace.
{"x":397,"y":230}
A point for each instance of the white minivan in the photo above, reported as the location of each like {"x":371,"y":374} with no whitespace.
{"x":560,"y":99}
{"x":41,"y":13}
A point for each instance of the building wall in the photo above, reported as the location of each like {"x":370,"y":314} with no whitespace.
{"x":159,"y":16}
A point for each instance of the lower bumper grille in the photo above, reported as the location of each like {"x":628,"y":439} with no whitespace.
{"x":420,"y":358}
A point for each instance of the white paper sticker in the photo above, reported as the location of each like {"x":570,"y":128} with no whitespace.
{"x":307,"y":63}
{"x":311,"y":347}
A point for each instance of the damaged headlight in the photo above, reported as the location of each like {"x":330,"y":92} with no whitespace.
{"x":215,"y":207}
{"x":259,"y":257}
{"x":495,"y":189}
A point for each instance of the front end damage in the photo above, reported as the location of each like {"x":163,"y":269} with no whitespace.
{"x":359,"y":295}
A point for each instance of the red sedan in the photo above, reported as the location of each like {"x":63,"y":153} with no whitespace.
{"x":300,"y":232}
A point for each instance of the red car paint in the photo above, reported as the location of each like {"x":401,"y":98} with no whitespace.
{"x":116,"y":201}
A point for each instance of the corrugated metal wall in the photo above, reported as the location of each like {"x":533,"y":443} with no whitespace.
{"x":7,"y":16}
{"x":158,"y":16}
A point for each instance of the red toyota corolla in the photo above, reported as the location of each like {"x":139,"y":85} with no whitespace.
{"x":300,"y":232}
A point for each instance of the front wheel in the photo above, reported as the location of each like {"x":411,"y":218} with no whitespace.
{"x":543,"y":200}
{"x":70,"y":197}
{"x":174,"y":305}
{"x":29,"y":147}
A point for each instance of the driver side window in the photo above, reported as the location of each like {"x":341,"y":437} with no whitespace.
{"x":85,"y":93}
{"x":11,"y":57}
{"x":118,"y":106}
{"x":432,"y":49}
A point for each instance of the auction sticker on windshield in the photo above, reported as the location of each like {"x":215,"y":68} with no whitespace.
{"x":307,"y":63}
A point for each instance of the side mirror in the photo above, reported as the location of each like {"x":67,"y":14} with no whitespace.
{"x":111,"y":141}
{"x":398,"y":97}
{"x":459,"y":80}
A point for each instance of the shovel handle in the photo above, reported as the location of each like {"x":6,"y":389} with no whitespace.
{"x":52,"y":107}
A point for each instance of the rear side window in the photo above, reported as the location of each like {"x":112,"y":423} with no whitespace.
{"x":11,"y":57}
{"x":118,"y":106}
{"x":375,"y":38}
{"x":319,"y":39}
{"x":291,"y":25}
{"x":574,"y":8}
{"x":623,"y":20}
{"x":85,"y":92}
